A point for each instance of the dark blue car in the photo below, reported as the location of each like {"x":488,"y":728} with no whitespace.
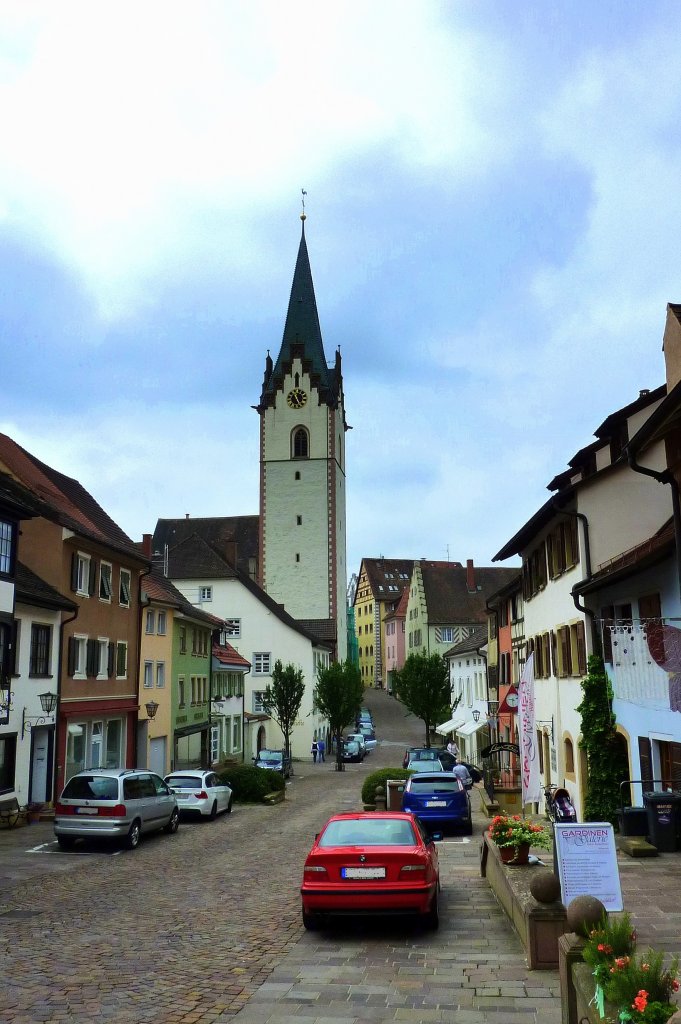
{"x":438,"y":799}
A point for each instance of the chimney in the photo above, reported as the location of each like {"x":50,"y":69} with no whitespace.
{"x":186,"y":515}
{"x":470,"y":576}
{"x":146,"y":544}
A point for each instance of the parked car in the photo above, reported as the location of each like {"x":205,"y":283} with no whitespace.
{"x":200,"y":792}
{"x":357,"y":737}
{"x":374,"y":863}
{"x":116,"y":803}
{"x":275,"y":760}
{"x":438,"y":798}
{"x":352,"y":751}
{"x":446,"y":759}
{"x":369,"y":737}
{"x":364,"y":717}
{"x":419,"y":764}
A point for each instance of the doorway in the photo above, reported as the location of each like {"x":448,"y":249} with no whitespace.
{"x":42,"y":756}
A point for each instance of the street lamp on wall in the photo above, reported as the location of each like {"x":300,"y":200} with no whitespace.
{"x":152,"y":708}
{"x":476,"y":715}
{"x":48,"y":702}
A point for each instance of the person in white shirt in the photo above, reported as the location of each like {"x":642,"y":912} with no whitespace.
{"x":452,"y":748}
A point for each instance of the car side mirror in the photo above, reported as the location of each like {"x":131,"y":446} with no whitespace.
{"x":436,"y":837}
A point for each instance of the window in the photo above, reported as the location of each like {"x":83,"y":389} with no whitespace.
{"x":193,"y":686}
{"x":297,"y":476}
{"x":236,"y":732}
{"x":77,"y":666}
{"x":299,"y":520}
{"x":39,"y":664}
{"x":82,"y":574}
{"x":148,"y":674}
{"x":297,"y":556}
{"x":180,"y":691}
{"x":261,"y":664}
{"x":150,"y":621}
{"x":121,"y":659}
{"x":569,"y":758}
{"x":6,"y":549}
{"x":578,"y":649}
{"x":105,"y":577}
{"x":300,"y":444}
{"x":193,"y":639}
{"x":534,"y":571}
{"x":160,"y":673}
{"x":232,"y":627}
{"x":104,"y":658}
{"x":8,"y":753}
{"x":257,"y":702}
{"x":124,"y":588}
{"x":161,"y":623}
{"x":183,"y":639}
{"x":205,"y":593}
{"x":564,"y":652}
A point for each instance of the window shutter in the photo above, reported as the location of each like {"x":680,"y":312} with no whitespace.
{"x":645,"y":757}
{"x":581,"y":650}
{"x":74,"y":572}
{"x":72,"y":656}
{"x":554,"y":653}
{"x":92,"y":582}
{"x":111,"y":659}
{"x":91,"y":658}
{"x":14,"y":655}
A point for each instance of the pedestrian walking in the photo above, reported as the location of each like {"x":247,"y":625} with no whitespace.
{"x":452,"y":748}
{"x":314,"y":750}
{"x":321,"y":749}
{"x":462,"y":773}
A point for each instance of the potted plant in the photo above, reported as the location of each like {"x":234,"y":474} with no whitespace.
{"x":34,"y":810}
{"x":515,"y":835}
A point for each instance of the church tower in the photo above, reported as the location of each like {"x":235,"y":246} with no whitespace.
{"x":302,"y":471}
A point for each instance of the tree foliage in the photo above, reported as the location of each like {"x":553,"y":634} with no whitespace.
{"x":422,"y":685}
{"x":283,"y":697}
{"x":338,"y":697}
{"x":603,"y":754}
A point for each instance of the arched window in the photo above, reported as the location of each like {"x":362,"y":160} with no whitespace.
{"x":300,"y":443}
{"x":569,"y":757}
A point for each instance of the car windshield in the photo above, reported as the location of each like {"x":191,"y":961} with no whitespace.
{"x":424,"y":766}
{"x":91,"y":787}
{"x":368,"y":832}
{"x":185,"y":782}
{"x":425,"y":786}
{"x":270,"y":755}
{"x":352,"y":746}
{"x":424,"y":755}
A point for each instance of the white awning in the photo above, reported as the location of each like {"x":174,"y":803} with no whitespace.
{"x":451,"y":726}
{"x":470,"y":727}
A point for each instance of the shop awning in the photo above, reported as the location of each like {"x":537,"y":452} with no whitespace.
{"x":451,"y":726}
{"x":470,"y":727}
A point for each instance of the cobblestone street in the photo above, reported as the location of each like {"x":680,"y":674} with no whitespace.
{"x":205,"y":926}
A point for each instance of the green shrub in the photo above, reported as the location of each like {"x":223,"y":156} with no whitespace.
{"x":379,"y":778}
{"x":250,"y":784}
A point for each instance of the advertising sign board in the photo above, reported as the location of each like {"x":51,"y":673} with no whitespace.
{"x":587,"y":862}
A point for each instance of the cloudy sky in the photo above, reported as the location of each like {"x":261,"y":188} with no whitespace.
{"x":494,"y":215}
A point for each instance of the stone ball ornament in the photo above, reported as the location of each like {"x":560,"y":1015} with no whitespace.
{"x":584,"y":914}
{"x":545,"y":887}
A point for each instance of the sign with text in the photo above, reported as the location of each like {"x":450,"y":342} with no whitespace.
{"x":587,"y":862}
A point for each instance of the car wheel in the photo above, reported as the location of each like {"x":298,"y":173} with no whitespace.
{"x":213,"y":811}
{"x":132,"y":840}
{"x":468,"y":827}
{"x":229,"y":806}
{"x":432,"y":917}
{"x":174,"y":823}
{"x":310,"y":922}
{"x":66,"y":842}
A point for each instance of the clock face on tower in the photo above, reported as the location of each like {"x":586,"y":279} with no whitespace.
{"x":296,"y":398}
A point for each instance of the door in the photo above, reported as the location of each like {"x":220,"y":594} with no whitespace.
{"x":40,"y":787}
{"x":158,"y":748}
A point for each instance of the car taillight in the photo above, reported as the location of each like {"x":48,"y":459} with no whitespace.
{"x":64,"y":809}
{"x":408,"y":868}
{"x":314,"y":869}
{"x":202,"y":795}
{"x":112,"y":812}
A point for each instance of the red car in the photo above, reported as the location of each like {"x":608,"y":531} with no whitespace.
{"x":380,"y":862}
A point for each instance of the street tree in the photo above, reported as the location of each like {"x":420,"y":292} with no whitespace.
{"x":338,"y":697}
{"x":283,"y":697}
{"x":422,"y":685}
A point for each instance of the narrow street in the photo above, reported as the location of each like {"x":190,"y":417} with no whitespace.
{"x":205,"y":926}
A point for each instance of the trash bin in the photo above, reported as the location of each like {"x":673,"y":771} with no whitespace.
{"x":663,"y":817}
{"x":633,"y":821}
{"x":394,"y":791}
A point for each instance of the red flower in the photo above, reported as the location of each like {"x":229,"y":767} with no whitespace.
{"x":641,"y":1001}
{"x":675,"y":985}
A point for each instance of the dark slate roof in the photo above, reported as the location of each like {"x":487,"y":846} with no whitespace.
{"x":195,"y":559}
{"x":65,"y":500}
{"x":235,"y":538}
{"x":158,"y":587}
{"x":324,"y":629}
{"x":474,"y":642}
{"x":16,"y":500}
{"x":446,"y":591}
{"x":660,"y":422}
{"x":539,"y":520}
{"x":644,"y":399}
{"x":303,"y":339}
{"x":653,"y":550}
{"x":385,"y":572}
{"x":31,"y":589}
{"x":515,"y":584}
{"x":399,"y":608}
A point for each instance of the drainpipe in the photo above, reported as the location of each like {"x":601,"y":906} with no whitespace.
{"x":141,"y":605}
{"x":57,"y":731}
{"x":665,"y":478}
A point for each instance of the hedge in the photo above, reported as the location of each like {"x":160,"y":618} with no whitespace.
{"x":379,"y":778}
{"x":250,"y":784}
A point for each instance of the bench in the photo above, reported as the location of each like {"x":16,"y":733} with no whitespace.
{"x":9,"y":811}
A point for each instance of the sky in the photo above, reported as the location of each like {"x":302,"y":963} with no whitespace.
{"x":493,"y":222}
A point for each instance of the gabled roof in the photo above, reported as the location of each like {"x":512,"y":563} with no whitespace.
{"x":194,"y":558}
{"x":31,"y":589}
{"x":400,"y":609}
{"x":448,"y":598}
{"x":65,"y":500}
{"x":16,"y":500}
{"x":235,"y":538}
{"x":644,"y":399}
{"x":158,"y":587}
{"x":476,"y":640}
{"x":513,"y":586}
{"x":323,"y":629}
{"x":230,"y":658}
{"x":539,"y":520}
{"x":651,"y":551}
{"x":384,"y":573}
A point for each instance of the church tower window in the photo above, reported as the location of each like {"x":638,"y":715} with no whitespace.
{"x":301,"y":443}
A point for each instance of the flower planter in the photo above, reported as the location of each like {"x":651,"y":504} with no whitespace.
{"x":515,"y":854}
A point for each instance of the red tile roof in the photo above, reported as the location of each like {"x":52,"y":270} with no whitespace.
{"x":228,"y":657}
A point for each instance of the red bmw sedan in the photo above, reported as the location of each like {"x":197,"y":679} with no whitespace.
{"x":379,"y":862}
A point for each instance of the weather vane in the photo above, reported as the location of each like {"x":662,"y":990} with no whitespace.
{"x":303,"y":194}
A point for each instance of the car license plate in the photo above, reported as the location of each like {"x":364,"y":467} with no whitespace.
{"x":436,"y":803}
{"x":363,"y":872}
{"x":86,"y":810}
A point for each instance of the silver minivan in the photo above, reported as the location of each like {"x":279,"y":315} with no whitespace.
{"x":116,"y":803}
